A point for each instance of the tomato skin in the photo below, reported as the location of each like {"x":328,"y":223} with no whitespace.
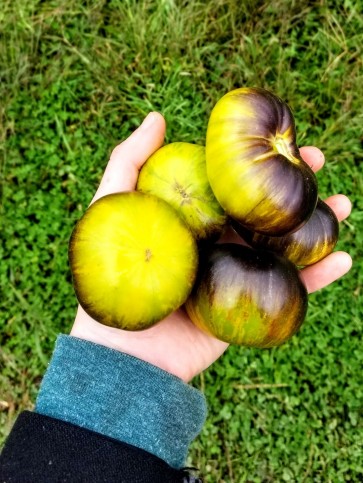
{"x":247,"y":297}
{"x":253,"y":163}
{"x":306,"y":246}
{"x":177,"y":174}
{"x":133,"y":260}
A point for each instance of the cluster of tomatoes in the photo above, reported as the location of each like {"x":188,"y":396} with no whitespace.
{"x":136,"y":257}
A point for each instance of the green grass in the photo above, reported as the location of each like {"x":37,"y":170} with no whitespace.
{"x":76,"y":78}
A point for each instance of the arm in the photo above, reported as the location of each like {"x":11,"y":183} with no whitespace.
{"x":98,"y":376}
{"x":105,"y":416}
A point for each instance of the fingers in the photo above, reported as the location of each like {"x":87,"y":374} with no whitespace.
{"x":336,"y":264}
{"x":326,"y":271}
{"x":313,"y":157}
{"x":128,"y":157}
{"x":341,"y":206}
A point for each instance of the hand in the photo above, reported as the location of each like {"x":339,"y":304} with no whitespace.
{"x":175,"y":344}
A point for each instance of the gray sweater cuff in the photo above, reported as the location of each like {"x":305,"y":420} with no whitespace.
{"x":121,"y":397}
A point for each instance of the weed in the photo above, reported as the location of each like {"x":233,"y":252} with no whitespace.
{"x":76,"y":78}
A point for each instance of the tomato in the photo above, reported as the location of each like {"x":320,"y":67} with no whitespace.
{"x":133,"y":260}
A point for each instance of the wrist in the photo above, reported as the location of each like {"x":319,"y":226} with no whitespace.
{"x":86,"y":328}
{"x":149,"y":345}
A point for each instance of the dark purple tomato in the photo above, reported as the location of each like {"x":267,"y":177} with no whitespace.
{"x":247,"y":297}
{"x":253,"y":163}
{"x":311,"y":243}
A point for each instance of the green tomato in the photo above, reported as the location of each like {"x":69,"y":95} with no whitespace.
{"x":177,"y":174}
{"x":133,"y":260}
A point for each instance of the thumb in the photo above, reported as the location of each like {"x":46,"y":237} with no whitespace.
{"x":127,"y":158}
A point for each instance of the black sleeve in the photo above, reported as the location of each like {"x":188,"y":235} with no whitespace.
{"x":43,"y":449}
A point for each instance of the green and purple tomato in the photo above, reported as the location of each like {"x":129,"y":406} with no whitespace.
{"x":306,"y":246}
{"x":177,"y":174}
{"x":253,"y":163}
{"x":133,"y":260}
{"x":247,"y":297}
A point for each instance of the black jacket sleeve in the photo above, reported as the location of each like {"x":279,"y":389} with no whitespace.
{"x":41,"y":449}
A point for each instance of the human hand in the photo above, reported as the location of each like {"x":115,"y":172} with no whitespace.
{"x":175,"y":344}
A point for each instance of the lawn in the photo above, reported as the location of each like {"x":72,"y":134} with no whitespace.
{"x":78,"y":77}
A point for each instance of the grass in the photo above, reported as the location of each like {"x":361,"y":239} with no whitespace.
{"x":76,"y":78}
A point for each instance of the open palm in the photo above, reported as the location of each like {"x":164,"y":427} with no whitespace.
{"x":175,"y":344}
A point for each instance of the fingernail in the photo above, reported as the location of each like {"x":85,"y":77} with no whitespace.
{"x":148,"y":121}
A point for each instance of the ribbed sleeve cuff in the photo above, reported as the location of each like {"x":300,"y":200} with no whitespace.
{"x":122,"y":397}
